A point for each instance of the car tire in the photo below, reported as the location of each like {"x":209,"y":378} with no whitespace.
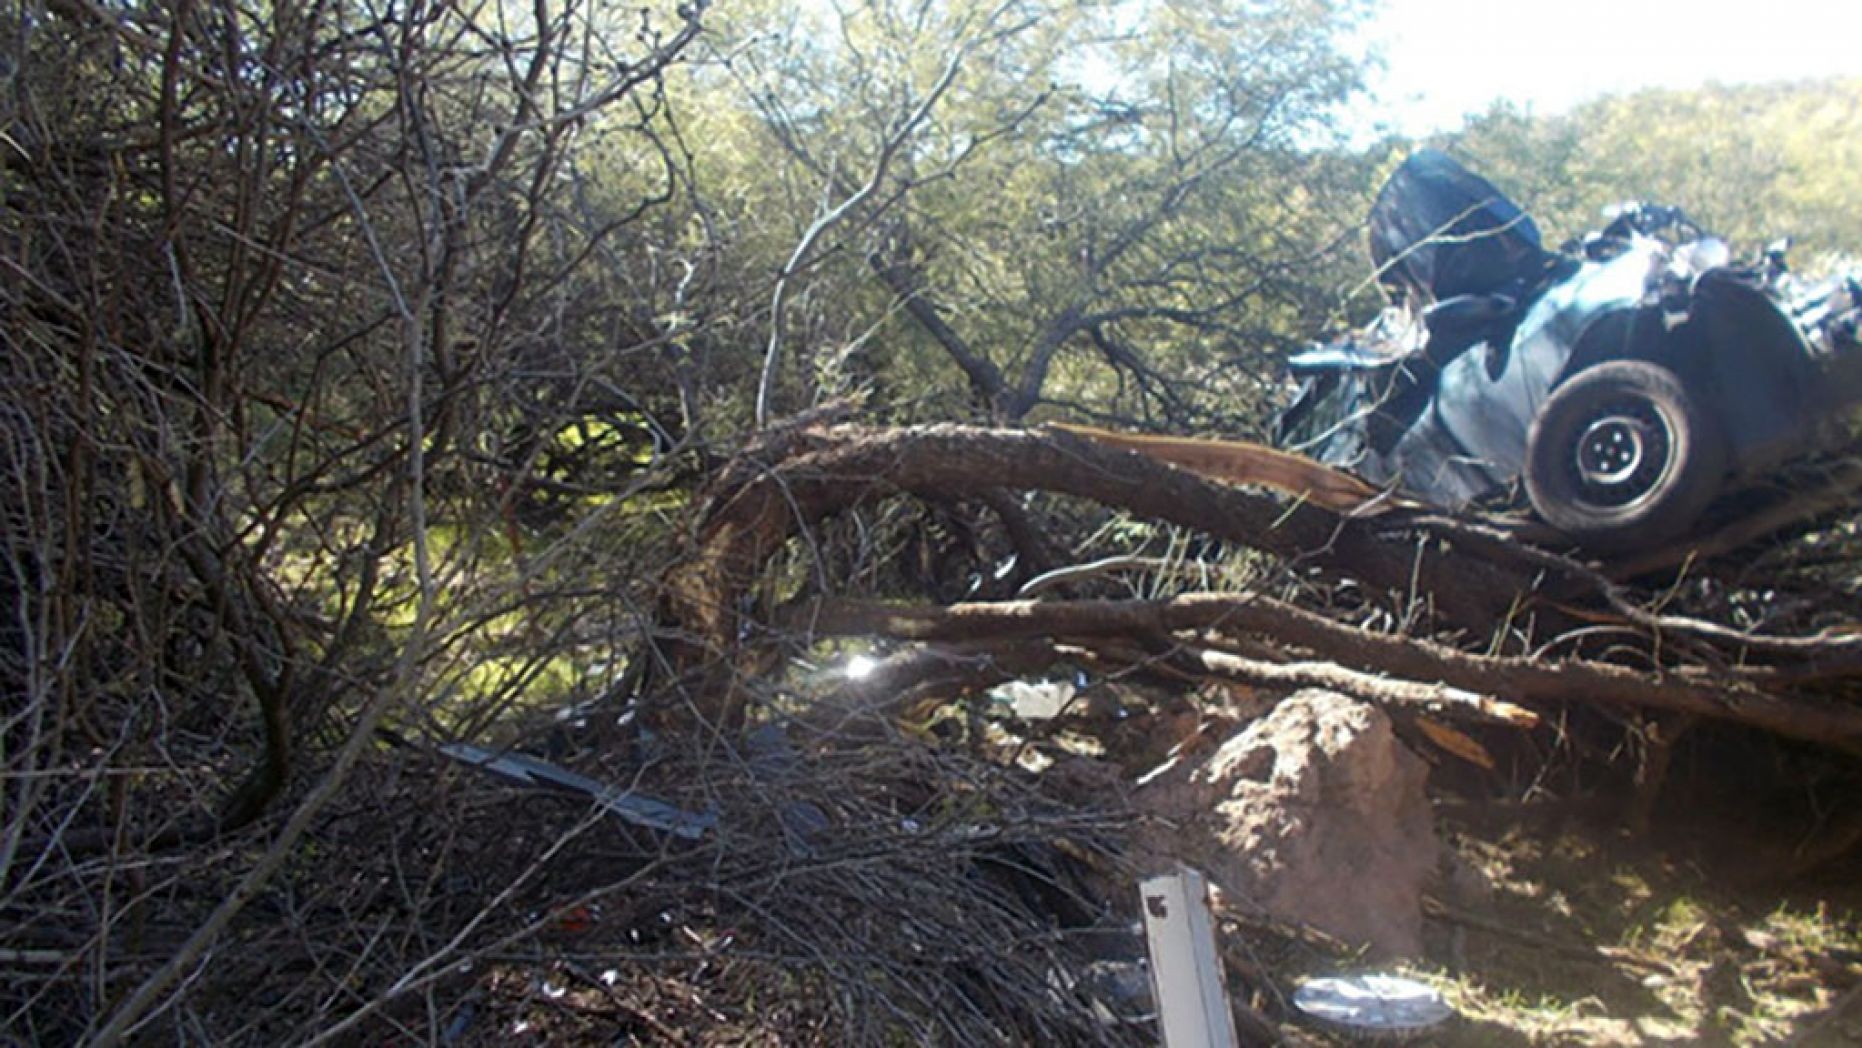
{"x":1622,"y":457}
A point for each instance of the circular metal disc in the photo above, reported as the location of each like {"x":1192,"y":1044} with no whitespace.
{"x":1372,"y":1003}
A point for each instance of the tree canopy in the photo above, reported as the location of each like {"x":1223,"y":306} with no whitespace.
{"x":1752,"y":163}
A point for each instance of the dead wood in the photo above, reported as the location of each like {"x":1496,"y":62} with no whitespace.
{"x":1582,"y":593}
{"x":1838,"y":489}
{"x":1106,"y":623}
{"x":1194,"y":662}
{"x":1517,"y":541}
{"x":1473,"y":685}
{"x":1471,"y":574}
{"x":778,"y":491}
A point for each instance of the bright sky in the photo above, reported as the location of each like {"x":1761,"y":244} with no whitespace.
{"x":1449,"y":58}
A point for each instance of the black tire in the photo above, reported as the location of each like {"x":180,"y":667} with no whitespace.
{"x":1622,"y":457}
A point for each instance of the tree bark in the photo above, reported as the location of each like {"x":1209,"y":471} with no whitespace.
{"x":1467,"y":582}
{"x":1478,"y":682}
{"x":781,"y":488}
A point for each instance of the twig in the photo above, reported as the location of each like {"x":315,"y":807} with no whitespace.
{"x":1739,"y":698}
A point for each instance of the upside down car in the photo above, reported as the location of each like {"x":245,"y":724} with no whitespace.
{"x":1627,"y":379}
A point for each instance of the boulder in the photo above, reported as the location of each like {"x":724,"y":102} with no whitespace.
{"x":1315,"y":814}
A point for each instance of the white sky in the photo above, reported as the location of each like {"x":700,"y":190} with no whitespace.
{"x":1449,"y":58}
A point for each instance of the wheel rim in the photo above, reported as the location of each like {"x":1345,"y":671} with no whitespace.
{"x":1621,"y":453}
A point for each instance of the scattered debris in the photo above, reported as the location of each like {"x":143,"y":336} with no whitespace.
{"x":1034,"y":700}
{"x":641,"y":811}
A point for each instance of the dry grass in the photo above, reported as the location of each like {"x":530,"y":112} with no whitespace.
{"x":1562,"y":930}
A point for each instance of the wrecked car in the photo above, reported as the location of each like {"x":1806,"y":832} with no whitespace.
{"x":1627,"y":379}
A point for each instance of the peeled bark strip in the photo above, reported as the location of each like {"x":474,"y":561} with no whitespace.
{"x":1241,"y":462}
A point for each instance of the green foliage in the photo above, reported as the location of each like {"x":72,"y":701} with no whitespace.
{"x":1111,"y":208}
{"x":1752,"y":163}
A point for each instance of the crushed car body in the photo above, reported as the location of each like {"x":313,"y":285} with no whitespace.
{"x":1627,"y":379}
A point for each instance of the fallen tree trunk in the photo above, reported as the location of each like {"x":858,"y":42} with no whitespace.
{"x":1465,"y":579}
{"x":784,"y":488}
{"x":905,"y":682}
{"x":1481,"y":684}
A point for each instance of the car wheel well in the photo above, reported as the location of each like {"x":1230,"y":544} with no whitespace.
{"x":1628,"y":334}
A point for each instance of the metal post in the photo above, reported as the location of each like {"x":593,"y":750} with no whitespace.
{"x":1186,"y":971}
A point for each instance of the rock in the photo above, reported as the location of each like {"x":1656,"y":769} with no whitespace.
{"x":1316,"y":814}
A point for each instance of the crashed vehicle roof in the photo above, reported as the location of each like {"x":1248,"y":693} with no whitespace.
{"x":1438,"y":230}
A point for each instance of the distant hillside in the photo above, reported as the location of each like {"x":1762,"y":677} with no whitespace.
{"x":1753,"y":163}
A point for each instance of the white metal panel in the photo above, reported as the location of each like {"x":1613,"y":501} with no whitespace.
{"x":1186,"y":971}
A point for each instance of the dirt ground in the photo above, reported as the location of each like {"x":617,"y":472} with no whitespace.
{"x":1556,"y":926}
{"x":1735,"y":918}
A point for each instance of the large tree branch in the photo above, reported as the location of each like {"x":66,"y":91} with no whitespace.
{"x":804,"y":476}
{"x":810,"y":474}
{"x":1731,"y":697}
{"x":985,"y":377}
